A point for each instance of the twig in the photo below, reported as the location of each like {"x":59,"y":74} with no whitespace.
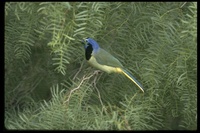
{"x":78,"y":71}
{"x":84,"y":78}
{"x":94,"y":82}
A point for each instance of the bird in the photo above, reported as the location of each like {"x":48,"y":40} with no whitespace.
{"x":102,"y":60}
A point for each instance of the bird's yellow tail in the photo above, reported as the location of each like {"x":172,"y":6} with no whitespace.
{"x":128,"y":75}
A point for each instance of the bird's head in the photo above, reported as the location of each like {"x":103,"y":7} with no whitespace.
{"x":91,"y":46}
{"x":92,"y":43}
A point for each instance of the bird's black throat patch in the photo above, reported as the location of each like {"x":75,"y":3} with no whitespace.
{"x":88,"y":51}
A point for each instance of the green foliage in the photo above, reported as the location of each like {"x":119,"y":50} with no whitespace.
{"x":48,"y":85}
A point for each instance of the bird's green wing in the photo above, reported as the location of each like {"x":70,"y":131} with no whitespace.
{"x":105,"y":58}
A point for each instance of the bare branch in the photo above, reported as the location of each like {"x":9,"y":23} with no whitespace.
{"x":83,"y":79}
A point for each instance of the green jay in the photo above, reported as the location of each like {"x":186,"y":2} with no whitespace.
{"x":101,"y":59}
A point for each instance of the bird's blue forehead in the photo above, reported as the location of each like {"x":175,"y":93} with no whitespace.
{"x":94,"y":44}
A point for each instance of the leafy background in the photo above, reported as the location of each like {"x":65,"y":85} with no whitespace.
{"x":49,"y":85}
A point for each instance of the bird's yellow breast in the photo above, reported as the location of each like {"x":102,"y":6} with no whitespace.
{"x":109,"y":69}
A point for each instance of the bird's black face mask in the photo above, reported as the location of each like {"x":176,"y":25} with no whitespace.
{"x":88,"y":51}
